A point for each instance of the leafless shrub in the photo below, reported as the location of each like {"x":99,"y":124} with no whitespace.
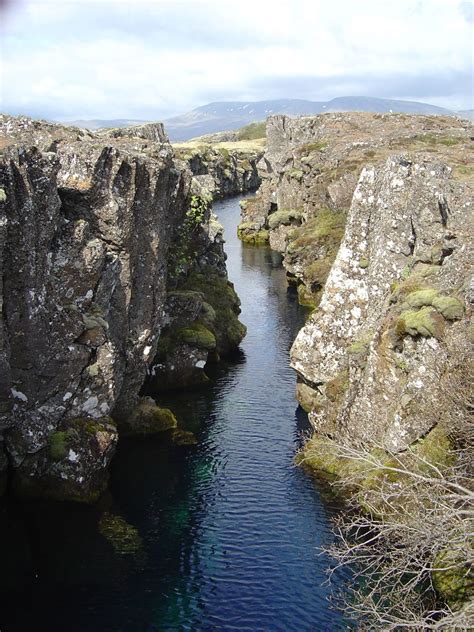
{"x":411,"y":548}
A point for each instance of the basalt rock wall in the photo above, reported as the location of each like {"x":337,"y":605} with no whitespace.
{"x":89,"y":228}
{"x":223,"y":172}
{"x":374,"y":360}
{"x":309,"y":173}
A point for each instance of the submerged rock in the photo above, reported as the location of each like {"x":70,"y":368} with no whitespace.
{"x":147,"y":419}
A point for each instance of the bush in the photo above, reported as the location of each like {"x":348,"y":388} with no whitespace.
{"x":253,"y":131}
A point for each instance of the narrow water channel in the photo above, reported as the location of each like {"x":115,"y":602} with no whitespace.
{"x":220,"y":536}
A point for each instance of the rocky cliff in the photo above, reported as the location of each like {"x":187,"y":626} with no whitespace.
{"x":375,"y":357}
{"x":372,"y":214}
{"x":225,"y":168}
{"x":310,"y":170}
{"x":95,"y":230}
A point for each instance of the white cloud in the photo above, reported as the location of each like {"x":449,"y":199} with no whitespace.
{"x":151,"y":59}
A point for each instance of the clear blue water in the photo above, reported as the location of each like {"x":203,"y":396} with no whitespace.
{"x":218,"y":536}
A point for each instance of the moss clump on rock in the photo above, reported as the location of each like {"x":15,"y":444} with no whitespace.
{"x":323,"y":455}
{"x":454,"y":585}
{"x":147,"y":419}
{"x":284,"y":217}
{"x":124,"y":537}
{"x":183,"y":437}
{"x":313,"y":246}
{"x":295,"y":174}
{"x":196,"y":335}
{"x":424,"y":322}
{"x":249,"y":233}
{"x":58,"y":448}
{"x":308,"y":148}
{"x":451,"y":308}
{"x":307,"y":298}
{"x":421,"y":298}
{"x":220,"y":294}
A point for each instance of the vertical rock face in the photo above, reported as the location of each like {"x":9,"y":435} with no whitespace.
{"x":223,"y":172}
{"x":396,"y":306}
{"x":86,"y":233}
{"x":309,"y":173}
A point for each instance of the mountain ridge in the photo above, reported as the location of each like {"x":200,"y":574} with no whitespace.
{"x":219,"y":116}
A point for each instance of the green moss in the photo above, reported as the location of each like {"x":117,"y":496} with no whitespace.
{"x":406,"y":272}
{"x":451,"y":308}
{"x":363,"y":263}
{"x":421,"y":298}
{"x":220,"y":294}
{"x":357,"y":348}
{"x":183,"y":437}
{"x":253,"y":131}
{"x":58,"y":448}
{"x":93,"y":370}
{"x":284,"y":217}
{"x":436,"y":448}
{"x":224,"y":152}
{"x":256,"y":237}
{"x":124,"y":538}
{"x":307,"y":298}
{"x":424,"y":322}
{"x":455,"y":585}
{"x":196,"y":335}
{"x":319,"y":145}
{"x":336,"y":388}
{"x":401,"y":289}
{"x":321,"y":454}
{"x":147,"y":419}
{"x":326,"y":227}
{"x":295,"y":174}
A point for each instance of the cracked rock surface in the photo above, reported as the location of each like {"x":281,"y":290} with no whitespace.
{"x":87,"y":225}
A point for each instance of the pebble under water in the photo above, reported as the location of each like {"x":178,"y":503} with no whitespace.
{"x":218,"y":536}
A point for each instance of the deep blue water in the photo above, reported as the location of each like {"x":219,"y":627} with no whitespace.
{"x":218,"y":536}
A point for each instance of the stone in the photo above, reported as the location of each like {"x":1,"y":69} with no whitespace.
{"x":147,"y":419}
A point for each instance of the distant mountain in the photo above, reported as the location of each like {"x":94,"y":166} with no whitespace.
{"x":231,"y":115}
{"x":98,"y":123}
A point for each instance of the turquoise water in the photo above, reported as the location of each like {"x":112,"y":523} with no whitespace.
{"x":218,"y":536}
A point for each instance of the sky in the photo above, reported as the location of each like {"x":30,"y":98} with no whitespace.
{"x":137,"y":59}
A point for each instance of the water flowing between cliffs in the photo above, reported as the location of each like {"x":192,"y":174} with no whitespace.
{"x":218,"y":536}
